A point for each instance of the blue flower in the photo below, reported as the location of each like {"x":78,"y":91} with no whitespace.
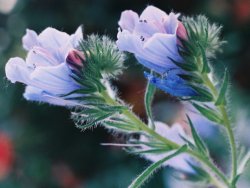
{"x":45,"y":70}
{"x":172,"y":84}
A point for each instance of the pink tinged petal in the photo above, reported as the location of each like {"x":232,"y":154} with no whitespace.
{"x":54,"y":79}
{"x":52,"y":39}
{"x":153,"y":14}
{"x":154,"y":17}
{"x":16,"y":70}
{"x":128,"y":20}
{"x":146,"y":29}
{"x":171,"y":23}
{"x":30,"y":39}
{"x":39,"y":56}
{"x":36,"y":94}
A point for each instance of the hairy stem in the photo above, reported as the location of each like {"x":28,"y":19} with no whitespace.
{"x":227,"y":125}
{"x":217,"y":177}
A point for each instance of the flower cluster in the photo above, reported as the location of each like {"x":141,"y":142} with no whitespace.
{"x":75,"y":72}
{"x":45,"y":70}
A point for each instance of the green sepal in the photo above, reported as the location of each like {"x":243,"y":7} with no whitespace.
{"x":198,"y":141}
{"x":222,"y":94}
{"x":208,"y":113}
{"x":144,"y":176}
{"x":190,"y":67}
{"x":203,"y":94}
{"x":149,"y":95}
{"x":205,"y":65}
{"x":192,"y":77}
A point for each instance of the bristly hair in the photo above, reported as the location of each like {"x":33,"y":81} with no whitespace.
{"x":103,"y":61}
{"x":202,"y":33}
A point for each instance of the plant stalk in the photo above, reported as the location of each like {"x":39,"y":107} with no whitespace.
{"x":216,"y":175}
{"x":227,"y":125}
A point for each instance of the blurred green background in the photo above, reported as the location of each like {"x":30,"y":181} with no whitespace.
{"x":39,"y":144}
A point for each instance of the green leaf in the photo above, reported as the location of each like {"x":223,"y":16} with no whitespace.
{"x":221,"y":98}
{"x":138,"y":182}
{"x":149,"y":95}
{"x":198,"y":141}
{"x":208,"y":113}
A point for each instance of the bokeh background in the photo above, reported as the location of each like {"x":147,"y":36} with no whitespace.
{"x":39,"y":144}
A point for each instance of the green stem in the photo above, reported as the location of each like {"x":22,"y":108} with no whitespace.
{"x":213,"y":168}
{"x":227,"y":125}
{"x":216,"y":173}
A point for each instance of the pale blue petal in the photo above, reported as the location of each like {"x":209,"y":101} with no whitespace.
{"x":54,"y":79}
{"x":152,"y":66}
{"x":143,"y":51}
{"x":36,"y":94}
{"x":163,"y":46}
{"x":171,"y":23}
{"x":128,"y":42}
{"x":17,"y":71}
{"x":29,"y":40}
{"x":128,"y":20}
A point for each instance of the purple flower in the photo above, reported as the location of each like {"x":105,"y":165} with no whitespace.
{"x":152,"y":37}
{"x":45,"y":70}
{"x":175,"y":134}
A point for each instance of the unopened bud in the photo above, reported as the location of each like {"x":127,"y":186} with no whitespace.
{"x":181,"y":31}
{"x":75,"y":60}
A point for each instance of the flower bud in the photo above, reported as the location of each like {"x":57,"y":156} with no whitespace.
{"x":75,"y":60}
{"x":181,"y":31}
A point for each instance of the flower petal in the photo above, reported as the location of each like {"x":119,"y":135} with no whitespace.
{"x":17,"y":71}
{"x":153,"y":14}
{"x":54,"y":80}
{"x":39,"y":56}
{"x":30,"y":39}
{"x":132,"y":43}
{"x":52,"y":38}
{"x":163,"y":46}
{"x":128,"y":20}
{"x":171,"y":23}
{"x":36,"y":94}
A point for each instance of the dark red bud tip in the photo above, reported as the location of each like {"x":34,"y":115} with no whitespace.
{"x":75,"y":60}
{"x":181,"y":31}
